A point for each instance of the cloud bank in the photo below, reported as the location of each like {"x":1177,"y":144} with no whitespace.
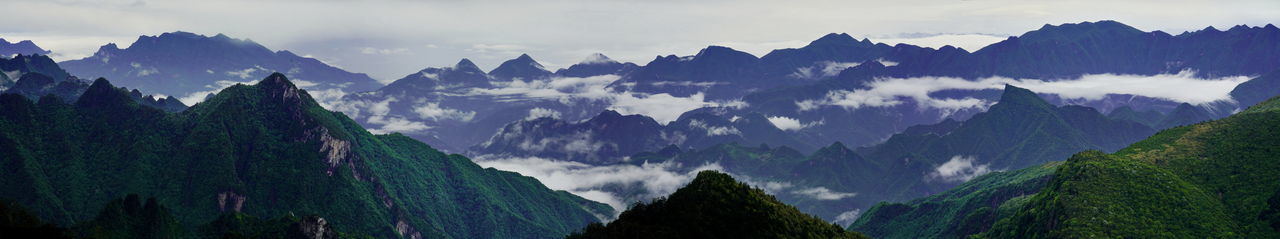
{"x":1183,"y":87}
{"x":959,"y":169}
{"x":589,"y":181}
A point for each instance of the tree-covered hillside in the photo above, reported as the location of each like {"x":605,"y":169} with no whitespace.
{"x":1217,"y":179}
{"x":965,"y":210}
{"x":715,"y":205}
{"x":264,"y":150}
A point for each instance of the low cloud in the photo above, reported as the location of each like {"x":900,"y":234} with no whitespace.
{"x":536,"y":113}
{"x":714,"y":130}
{"x":792,"y":124}
{"x":959,"y":169}
{"x":384,"y":51}
{"x":663,"y":108}
{"x":197,"y":97}
{"x":434,"y":112}
{"x":375,"y":113}
{"x":563,"y":89}
{"x":395,"y":124}
{"x":822,"y":193}
{"x":823,"y":69}
{"x":589,"y":181}
{"x":1183,"y":87}
{"x":846,"y":218}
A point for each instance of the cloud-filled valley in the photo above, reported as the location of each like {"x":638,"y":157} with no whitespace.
{"x":1182,"y":87}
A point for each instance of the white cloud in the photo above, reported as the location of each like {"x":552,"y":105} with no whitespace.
{"x":243,"y":74}
{"x":823,"y":69}
{"x":792,"y":124}
{"x":846,"y":218}
{"x":303,"y":84}
{"x":663,"y":107}
{"x":383,"y":51}
{"x":580,"y":143}
{"x":959,"y":169}
{"x":197,"y":97}
{"x":433,"y":111}
{"x":395,"y":124}
{"x":822,"y":193}
{"x":714,"y":130}
{"x":1180,"y":87}
{"x":536,"y":113}
{"x":563,"y":89}
{"x":589,"y":181}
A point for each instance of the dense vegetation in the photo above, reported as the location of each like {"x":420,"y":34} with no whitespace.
{"x":968,"y":209}
{"x":1216,"y":179}
{"x":715,"y":205}
{"x":264,"y":150}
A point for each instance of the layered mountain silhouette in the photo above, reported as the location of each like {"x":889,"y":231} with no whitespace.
{"x":182,"y":64}
{"x":610,"y":137}
{"x":1019,"y":131}
{"x":37,"y":76}
{"x":24,"y":47}
{"x":264,"y":150}
{"x":774,"y":85}
{"x":462,"y":106}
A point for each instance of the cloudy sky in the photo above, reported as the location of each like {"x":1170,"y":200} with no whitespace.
{"x":392,"y":38}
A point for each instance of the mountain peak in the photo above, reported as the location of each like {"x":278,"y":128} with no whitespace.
{"x":835,"y":39}
{"x":715,"y":205}
{"x":24,"y":47}
{"x":1077,"y":30}
{"x":521,"y":67}
{"x":102,"y":93}
{"x":724,"y":54}
{"x":465,"y":64}
{"x":277,"y":82}
{"x":597,"y":58}
{"x":524,"y":57}
{"x":607,"y":114}
{"x":1015,"y":95}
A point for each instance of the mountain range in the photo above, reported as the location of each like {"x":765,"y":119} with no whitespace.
{"x":894,"y":141}
{"x":24,"y":47}
{"x":191,"y":66}
{"x":1211,"y":179}
{"x":1020,"y":130}
{"x":265,"y":150}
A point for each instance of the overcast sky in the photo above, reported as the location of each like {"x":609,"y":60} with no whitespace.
{"x":392,"y":38}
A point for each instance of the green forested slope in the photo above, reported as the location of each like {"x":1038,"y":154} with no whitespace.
{"x":263,"y":150}
{"x":968,"y":209}
{"x":1217,"y":179}
{"x":1211,"y":179}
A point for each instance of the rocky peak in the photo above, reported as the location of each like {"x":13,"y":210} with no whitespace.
{"x":313,"y":227}
{"x":522,"y":67}
{"x":835,"y":39}
{"x":102,"y":93}
{"x":1014,"y":95}
{"x":24,"y":47}
{"x":724,"y":54}
{"x":466,"y":65}
{"x":597,"y":58}
{"x":278,"y":86}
